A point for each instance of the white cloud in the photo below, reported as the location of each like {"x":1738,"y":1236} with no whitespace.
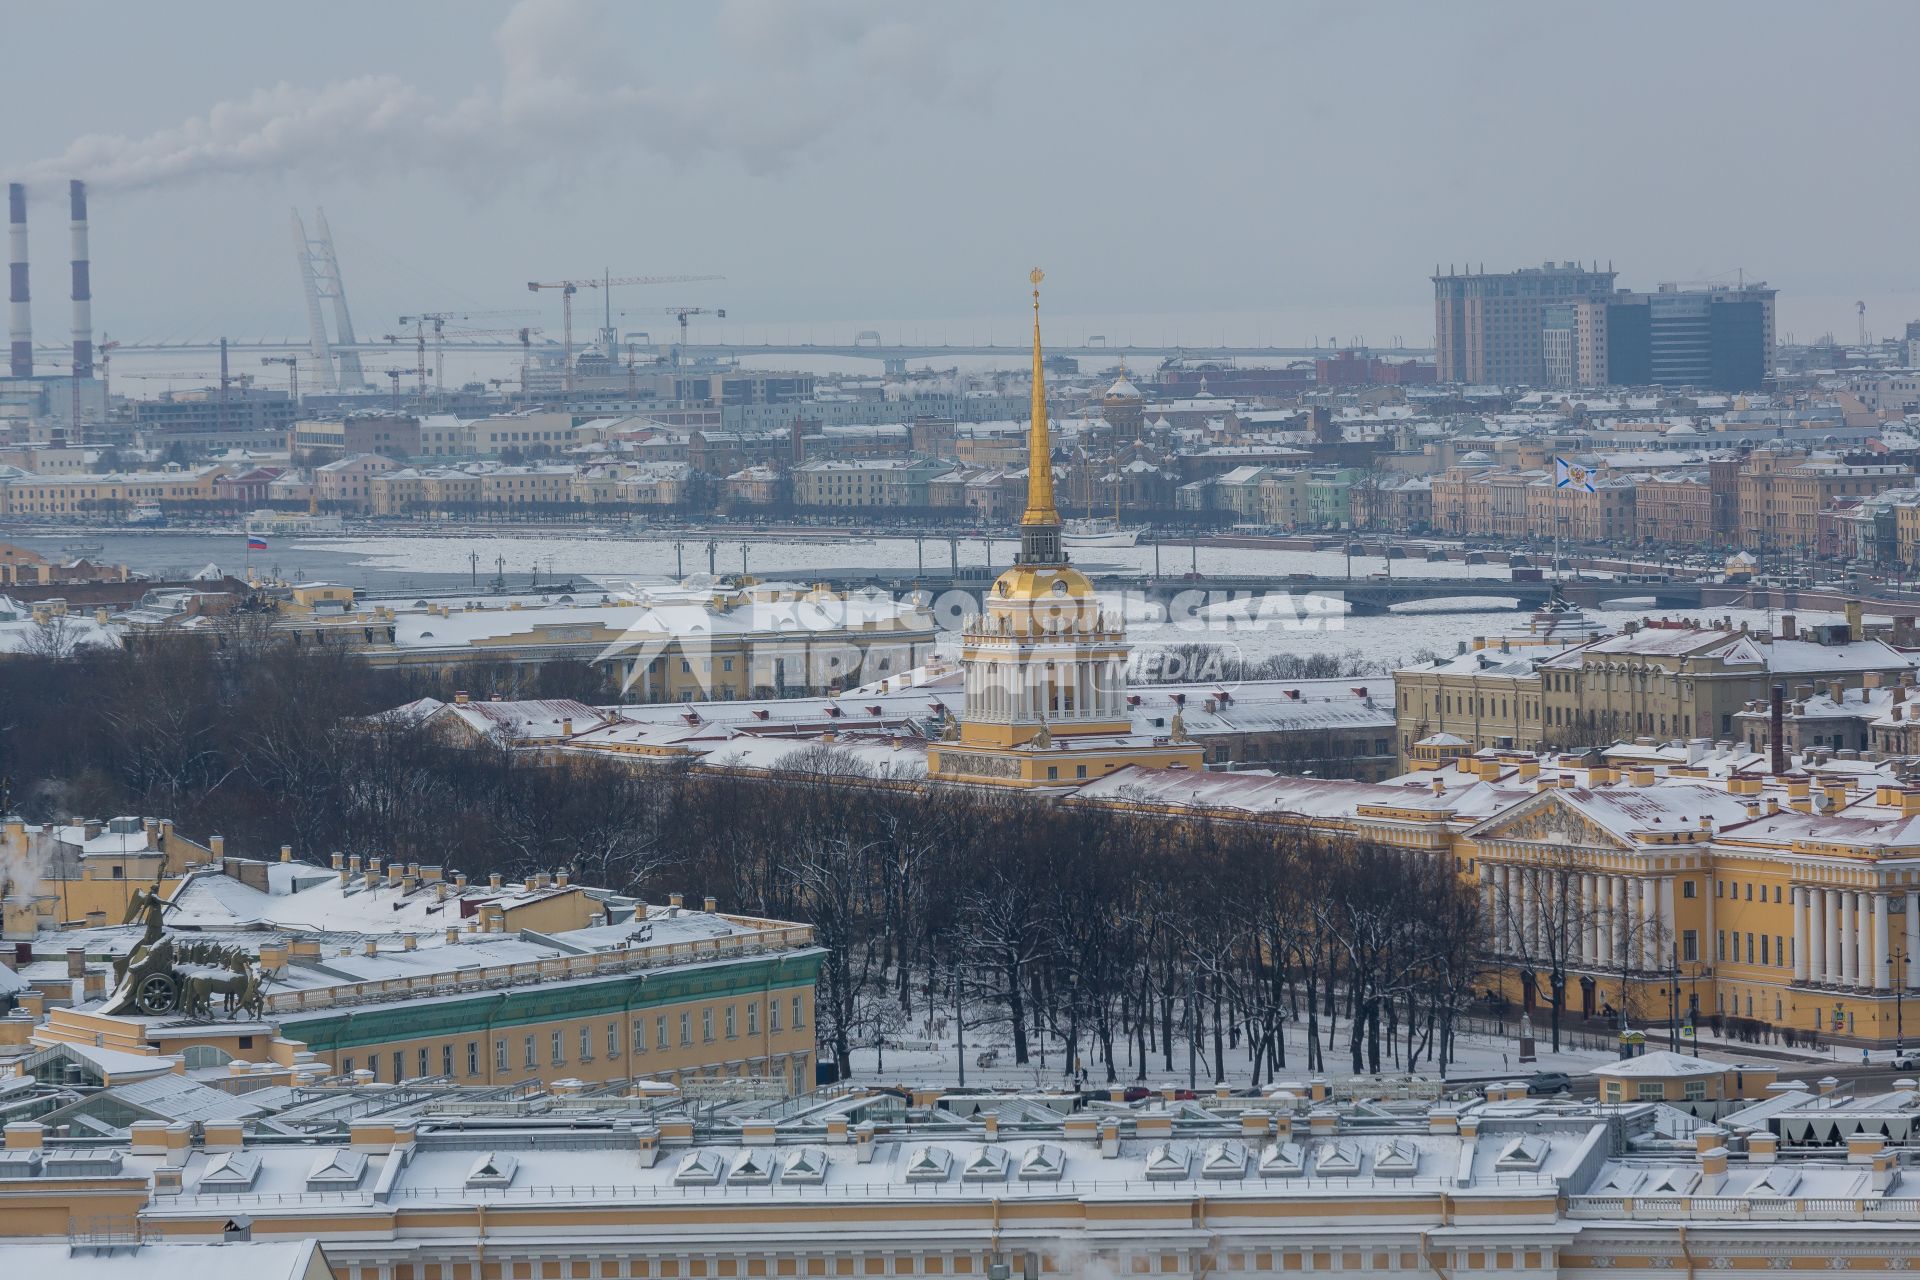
{"x":787,"y":76}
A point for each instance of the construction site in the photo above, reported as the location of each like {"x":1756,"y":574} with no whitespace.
{"x":245,"y":391}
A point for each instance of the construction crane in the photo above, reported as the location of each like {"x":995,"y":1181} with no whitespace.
{"x":242,"y":380}
{"x":605,"y":283}
{"x":104,"y":352}
{"x":293,"y":375}
{"x":439,"y":321}
{"x":420,"y":345}
{"x":681,"y":314}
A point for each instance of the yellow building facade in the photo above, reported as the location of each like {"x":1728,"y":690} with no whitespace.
{"x":1045,"y":664}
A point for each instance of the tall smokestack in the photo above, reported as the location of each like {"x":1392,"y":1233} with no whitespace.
{"x":82,"y":284}
{"x":19,"y":311}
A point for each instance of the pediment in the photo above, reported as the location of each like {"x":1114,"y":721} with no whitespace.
{"x":1548,"y":819}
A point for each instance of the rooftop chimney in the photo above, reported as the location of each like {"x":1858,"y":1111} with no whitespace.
{"x":1777,"y":726}
{"x":19,"y":312}
{"x":82,"y":284}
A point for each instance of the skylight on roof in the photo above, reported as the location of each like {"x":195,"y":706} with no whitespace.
{"x":493,"y":1169}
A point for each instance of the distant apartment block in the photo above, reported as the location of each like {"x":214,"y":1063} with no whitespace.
{"x":1564,"y":326}
{"x":1488,"y":328}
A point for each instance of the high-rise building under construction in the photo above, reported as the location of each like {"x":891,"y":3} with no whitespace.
{"x":1487,"y":328}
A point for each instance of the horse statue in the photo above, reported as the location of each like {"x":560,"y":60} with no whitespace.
{"x":198,"y":991}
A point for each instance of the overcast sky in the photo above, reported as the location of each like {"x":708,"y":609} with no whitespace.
{"x":1259,"y":171}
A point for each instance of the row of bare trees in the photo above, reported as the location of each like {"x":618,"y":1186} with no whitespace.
{"x":1132,"y":938}
{"x":1138,"y":942}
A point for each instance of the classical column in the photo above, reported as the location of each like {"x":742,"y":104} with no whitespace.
{"x":1834,"y":971}
{"x":1650,"y":940}
{"x":1669,"y":940}
{"x":1850,"y":938}
{"x":1501,"y":917}
{"x":1800,"y":937}
{"x":1489,"y":917}
{"x":1589,"y":918}
{"x":1623,"y":921}
{"x":1530,"y":918}
{"x":1603,"y":920}
{"x":1913,"y":938}
{"x":1882,"y":942}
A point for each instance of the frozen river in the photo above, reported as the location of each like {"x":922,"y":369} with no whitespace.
{"x":399,"y":563}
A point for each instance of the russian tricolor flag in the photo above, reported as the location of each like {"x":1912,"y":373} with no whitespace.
{"x":256,"y":542}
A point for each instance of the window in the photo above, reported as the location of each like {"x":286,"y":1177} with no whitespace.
{"x":773,"y":1015}
{"x":1689,"y":945}
{"x":1612,"y":1091}
{"x":660,"y":1031}
{"x":399,"y":1066}
{"x":558,"y":1048}
{"x":639,"y":1035}
{"x":753,"y":1018}
{"x":686,"y":1028}
{"x":1779,"y":950}
{"x":732,"y":1030}
{"x":1765,"y":953}
{"x":1650,"y":1091}
{"x":346,"y":1066}
{"x":798,"y":1020}
{"x":1696,"y":1090}
{"x":613,"y":1039}
{"x":499,"y":1055}
{"x":1686,"y":889}
{"x":473,"y":1057}
{"x":706,"y":1025}
{"x":1749,"y":891}
{"x":586,"y":1044}
{"x":1720,"y":945}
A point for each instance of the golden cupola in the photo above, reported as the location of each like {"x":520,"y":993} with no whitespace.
{"x":1045,"y":665}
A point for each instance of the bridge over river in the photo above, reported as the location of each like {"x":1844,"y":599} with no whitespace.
{"x":1363,"y":596}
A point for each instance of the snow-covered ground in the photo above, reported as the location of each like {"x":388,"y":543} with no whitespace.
{"x":916,"y":1062}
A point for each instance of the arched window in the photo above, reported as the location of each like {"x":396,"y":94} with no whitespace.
{"x":198,"y":1057}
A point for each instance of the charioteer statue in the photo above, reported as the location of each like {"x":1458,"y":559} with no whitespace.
{"x":150,"y":981}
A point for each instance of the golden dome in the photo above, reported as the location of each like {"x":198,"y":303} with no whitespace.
{"x":1028,"y":582}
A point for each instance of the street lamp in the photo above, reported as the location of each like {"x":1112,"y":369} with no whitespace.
{"x":1073,"y":1023}
{"x":1693,"y":1007}
{"x":1898,"y":960}
{"x":1673,"y":1001}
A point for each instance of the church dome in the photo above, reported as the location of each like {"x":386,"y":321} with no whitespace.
{"x":1122,"y":389}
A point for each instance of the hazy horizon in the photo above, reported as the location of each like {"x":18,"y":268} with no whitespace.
{"x":1238,"y":172}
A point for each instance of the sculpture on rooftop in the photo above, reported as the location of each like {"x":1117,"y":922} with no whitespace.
{"x":151,"y":981}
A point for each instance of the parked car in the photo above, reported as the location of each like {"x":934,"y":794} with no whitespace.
{"x":1542,"y":1083}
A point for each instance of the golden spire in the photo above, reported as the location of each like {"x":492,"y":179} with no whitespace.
{"x":1040,"y":510}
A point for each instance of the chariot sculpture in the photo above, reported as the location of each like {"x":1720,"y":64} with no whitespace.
{"x":151,"y":979}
